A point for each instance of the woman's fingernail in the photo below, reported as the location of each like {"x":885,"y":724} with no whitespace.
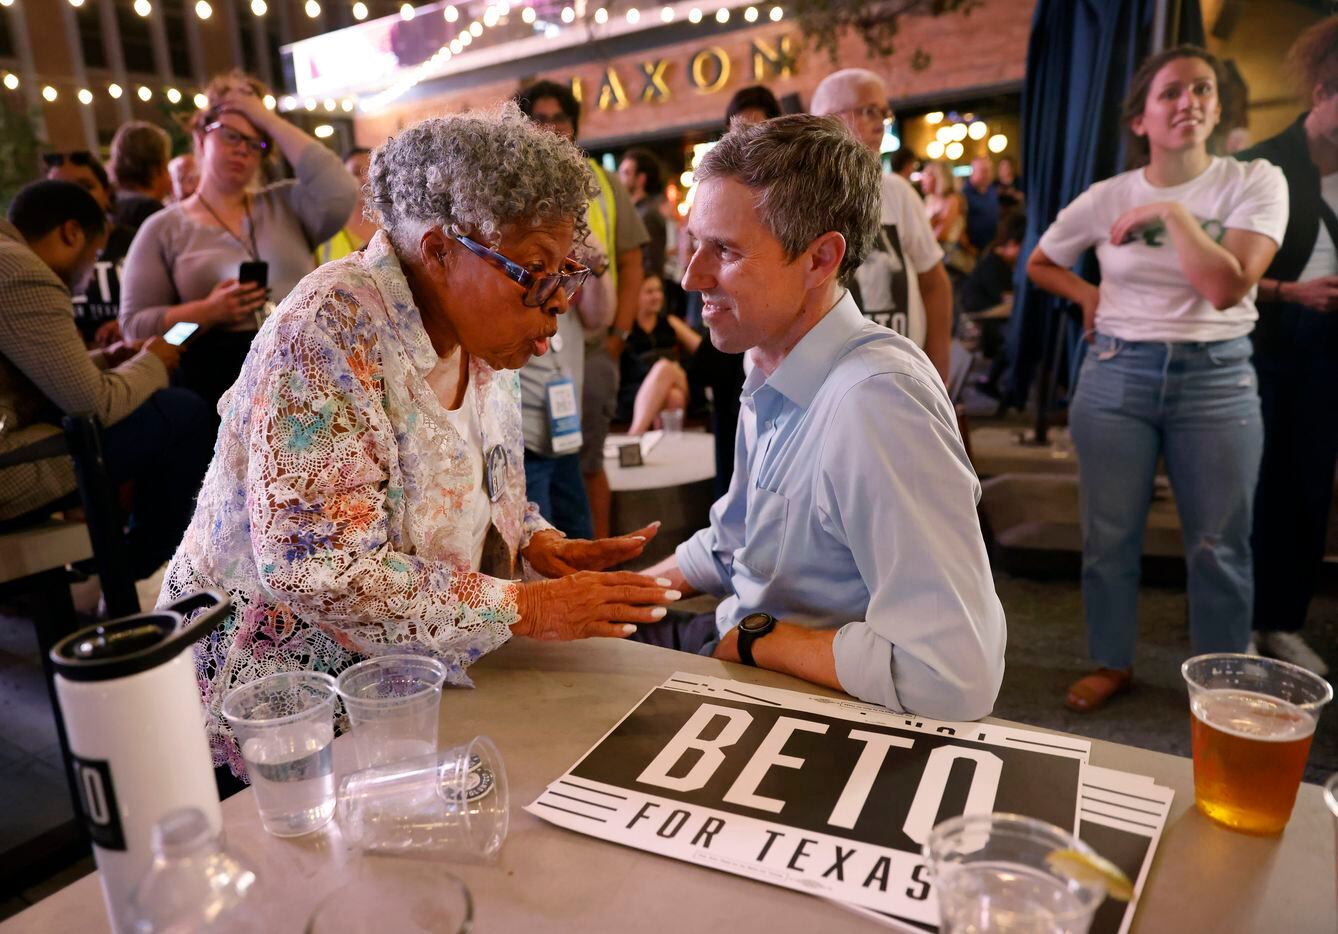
{"x":629,"y":629}
{"x":655,"y":524}
{"x":658,"y":613}
{"x":638,"y":538}
{"x":672,"y":595}
{"x":663,"y":581}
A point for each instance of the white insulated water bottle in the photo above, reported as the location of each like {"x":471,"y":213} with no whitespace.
{"x":135,"y":723}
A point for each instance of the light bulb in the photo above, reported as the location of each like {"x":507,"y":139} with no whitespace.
{"x":953,"y":151}
{"x":451,"y":14}
{"x":997,"y":143}
{"x":776,"y":14}
{"x":200,"y":101}
{"x":144,"y":94}
{"x":143,"y":7}
{"x":203,"y":9}
{"x":360,"y":11}
{"x":667,"y":14}
{"x":633,"y":15}
{"x":694,"y":15}
{"x":601,"y":16}
{"x":173,"y":96}
{"x":750,"y":14}
{"x":49,"y":93}
{"x":406,"y":11}
{"x":85,"y":96}
{"x":259,"y":7}
{"x":114,"y":90}
{"x":12,"y":81}
{"x":722,"y":15}
{"x":313,"y":9}
{"x":568,"y":15}
{"x":324,"y":131}
{"x":528,"y":15}
{"x":269,"y":102}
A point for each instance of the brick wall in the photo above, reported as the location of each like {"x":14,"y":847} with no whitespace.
{"x":986,"y":48}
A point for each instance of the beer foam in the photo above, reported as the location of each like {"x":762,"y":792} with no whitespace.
{"x":1250,"y":715}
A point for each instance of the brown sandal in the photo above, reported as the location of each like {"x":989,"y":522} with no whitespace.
{"x":1091,"y":693}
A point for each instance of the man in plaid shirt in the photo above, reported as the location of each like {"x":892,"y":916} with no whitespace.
{"x":155,"y":436}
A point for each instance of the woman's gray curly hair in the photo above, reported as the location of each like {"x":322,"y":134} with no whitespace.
{"x":474,"y":174}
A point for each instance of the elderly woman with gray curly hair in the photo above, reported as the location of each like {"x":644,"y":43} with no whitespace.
{"x":367,"y":493}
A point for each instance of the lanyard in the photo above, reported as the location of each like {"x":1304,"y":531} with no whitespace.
{"x":250,"y":224}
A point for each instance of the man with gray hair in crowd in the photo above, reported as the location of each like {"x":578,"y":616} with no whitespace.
{"x":847,"y":549}
{"x":902,"y":282}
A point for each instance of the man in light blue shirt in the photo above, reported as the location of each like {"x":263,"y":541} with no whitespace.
{"x":848,"y":545}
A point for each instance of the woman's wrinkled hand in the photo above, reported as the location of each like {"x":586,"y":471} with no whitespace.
{"x":591,"y":603}
{"x":554,"y":556}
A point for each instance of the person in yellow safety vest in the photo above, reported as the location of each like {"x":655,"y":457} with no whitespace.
{"x":615,"y":224}
{"x":356,"y":234}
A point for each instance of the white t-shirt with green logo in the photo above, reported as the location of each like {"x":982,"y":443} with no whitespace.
{"x":1145,"y":295}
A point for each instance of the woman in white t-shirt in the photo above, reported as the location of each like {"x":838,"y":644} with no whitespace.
{"x":1181,"y":244}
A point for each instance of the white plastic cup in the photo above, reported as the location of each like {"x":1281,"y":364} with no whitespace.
{"x":393,"y":704}
{"x":452,"y":806}
{"x":284,"y":724}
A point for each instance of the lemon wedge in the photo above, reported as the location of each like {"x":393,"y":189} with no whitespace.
{"x":1086,"y":869}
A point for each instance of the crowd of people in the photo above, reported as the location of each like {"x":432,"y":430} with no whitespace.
{"x":306,"y":382}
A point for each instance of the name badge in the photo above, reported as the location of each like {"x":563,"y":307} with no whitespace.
{"x":564,"y":416}
{"x":494,"y":473}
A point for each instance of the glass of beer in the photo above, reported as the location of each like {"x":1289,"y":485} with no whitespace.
{"x":1252,"y":722}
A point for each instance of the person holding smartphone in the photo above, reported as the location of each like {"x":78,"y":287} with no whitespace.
{"x":218,"y":257}
{"x":1182,"y":243}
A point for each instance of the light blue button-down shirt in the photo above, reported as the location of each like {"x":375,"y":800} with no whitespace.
{"x":853,"y":504}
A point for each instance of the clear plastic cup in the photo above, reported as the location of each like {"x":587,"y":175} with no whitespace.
{"x":451,"y":806}
{"x":671,"y":420}
{"x":284,"y":724}
{"x":993,"y":872}
{"x":1252,"y":721}
{"x":395,"y":895}
{"x":393,"y":703}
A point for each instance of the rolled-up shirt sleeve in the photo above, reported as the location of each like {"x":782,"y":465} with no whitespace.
{"x":896,"y":486}
{"x":707,"y":558}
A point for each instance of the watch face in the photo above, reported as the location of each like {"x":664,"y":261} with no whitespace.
{"x":756,"y":622}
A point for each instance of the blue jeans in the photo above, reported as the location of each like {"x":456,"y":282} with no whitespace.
{"x":1196,"y":405}
{"x":556,"y":486}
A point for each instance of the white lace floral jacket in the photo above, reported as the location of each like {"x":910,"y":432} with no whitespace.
{"x":331,"y":513}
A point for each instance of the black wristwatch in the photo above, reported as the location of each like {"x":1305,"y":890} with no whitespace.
{"x":751,"y":628}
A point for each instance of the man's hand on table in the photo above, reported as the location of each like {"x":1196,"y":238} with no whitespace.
{"x":552,"y":555}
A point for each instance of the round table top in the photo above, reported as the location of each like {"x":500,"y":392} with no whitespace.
{"x":675,"y":459}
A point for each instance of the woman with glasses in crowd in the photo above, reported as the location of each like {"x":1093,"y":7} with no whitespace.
{"x":186,"y":262}
{"x":1182,"y":243}
{"x":367,"y":492}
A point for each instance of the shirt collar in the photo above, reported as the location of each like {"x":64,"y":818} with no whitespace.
{"x":804,"y":368}
{"x":380,"y":260}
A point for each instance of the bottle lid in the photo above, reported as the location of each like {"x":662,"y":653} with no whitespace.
{"x":137,"y":643}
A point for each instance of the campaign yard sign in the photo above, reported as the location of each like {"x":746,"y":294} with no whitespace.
{"x":827,"y":796}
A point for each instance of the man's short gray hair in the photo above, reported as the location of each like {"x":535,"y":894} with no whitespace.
{"x":831,"y":89}
{"x":811,"y":176}
{"x":474,"y":174}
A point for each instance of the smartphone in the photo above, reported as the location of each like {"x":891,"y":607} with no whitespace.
{"x":254,"y":272}
{"x":180,"y":332}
